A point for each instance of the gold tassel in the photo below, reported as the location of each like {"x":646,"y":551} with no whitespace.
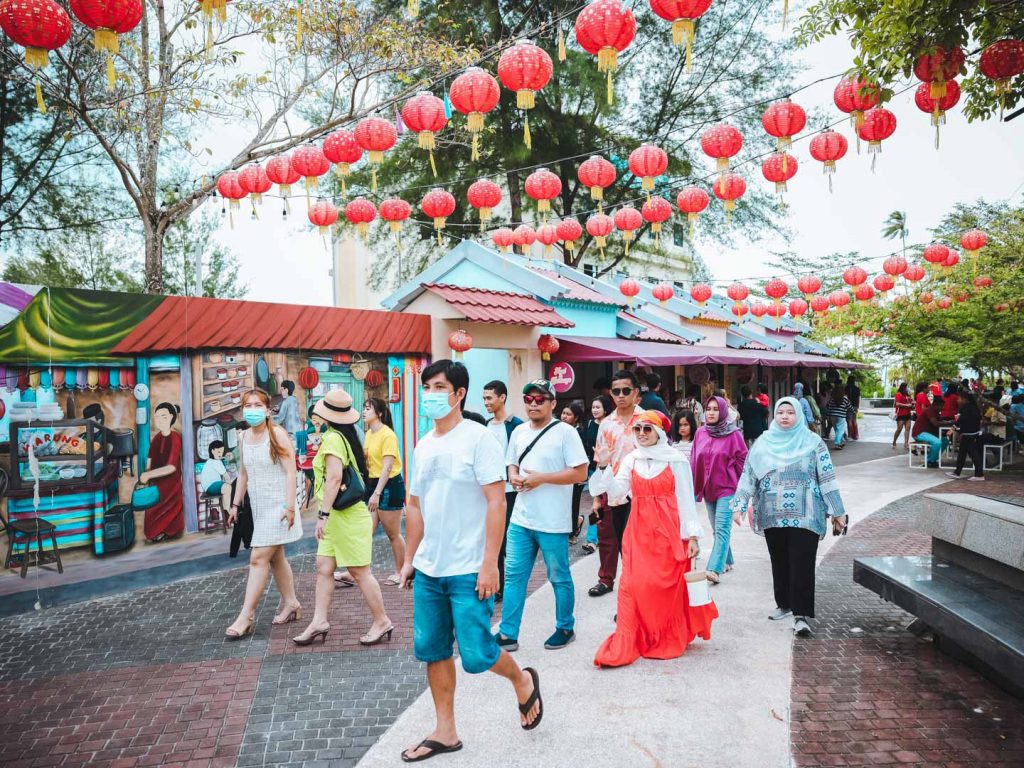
{"x":344,"y":189}
{"x":40,"y":104}
{"x":561,"y":44}
{"x":611,"y":94}
{"x":413,"y":8}
{"x":474,"y":153}
{"x":526,"y":132}
{"x":209,"y":39}
{"x":298,"y":25}
{"x":785,"y":12}
{"x":111,"y":74}
{"x":433,"y":167}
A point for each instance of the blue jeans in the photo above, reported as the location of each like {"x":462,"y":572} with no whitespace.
{"x":721,"y":523}
{"x":446,"y":609}
{"x":935,"y":445}
{"x":520,"y":556}
{"x":592,"y":533}
{"x":840,"y":426}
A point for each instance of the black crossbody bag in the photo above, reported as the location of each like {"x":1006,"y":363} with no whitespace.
{"x":352,"y":490}
{"x":529,"y":448}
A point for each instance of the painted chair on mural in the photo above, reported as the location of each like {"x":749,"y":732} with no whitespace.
{"x":21,"y":533}
{"x":216,"y":518}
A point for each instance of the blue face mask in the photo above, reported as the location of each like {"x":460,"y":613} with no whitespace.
{"x":254,"y":416}
{"x":435,"y":405}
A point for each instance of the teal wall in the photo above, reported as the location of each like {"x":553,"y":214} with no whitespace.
{"x":590,"y":320}
{"x":484,"y":365}
{"x":470,"y":275}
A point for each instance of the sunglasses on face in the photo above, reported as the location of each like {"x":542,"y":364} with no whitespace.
{"x":643,"y":429}
{"x":622,"y":391}
{"x":534,"y":399}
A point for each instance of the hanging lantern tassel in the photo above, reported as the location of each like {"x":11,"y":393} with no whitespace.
{"x":938,"y":118}
{"x":475,"y":124}
{"x":829,"y":168}
{"x":561,"y":44}
{"x":730,"y":206}
{"x":627,"y":236}
{"x":691,"y":218}
{"x":412,"y":8}
{"x":785,"y":13}
{"x":37,"y":58}
{"x":232,"y":206}
{"x":874,"y":148}
{"x":298,"y":24}
{"x":656,"y":229}
{"x":683,"y":33}
{"x":439,"y":225}
{"x":600,"y":241}
{"x":608,"y":61}
{"x":207,"y":8}
{"x":426,"y":141}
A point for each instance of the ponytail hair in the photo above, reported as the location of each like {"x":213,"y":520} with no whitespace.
{"x":382,"y":411}
{"x":278,"y":450}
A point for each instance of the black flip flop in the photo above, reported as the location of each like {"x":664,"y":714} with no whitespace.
{"x":435,"y":747}
{"x":534,"y":699}
{"x":344,"y":583}
{"x":599,"y":589}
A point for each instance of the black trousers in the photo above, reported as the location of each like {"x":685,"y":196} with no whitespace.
{"x":972,"y":445}
{"x":510,"y":503}
{"x":577,"y":497}
{"x":793,"y":552}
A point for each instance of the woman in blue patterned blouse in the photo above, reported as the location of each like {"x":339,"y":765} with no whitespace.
{"x":790,"y":483}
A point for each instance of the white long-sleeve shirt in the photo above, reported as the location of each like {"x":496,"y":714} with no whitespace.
{"x":619,"y":484}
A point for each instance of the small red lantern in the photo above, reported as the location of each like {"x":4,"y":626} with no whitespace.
{"x":939,"y":67}
{"x":438,"y":204}
{"x":394,"y":211}
{"x":839,"y":299}
{"x":525,"y":68}
{"x":604,"y":29}
{"x":797,"y":307}
{"x":1001,"y":307}
{"x":807,"y":285}
{"x":629,"y":288}
{"x":474,"y":93}
{"x":342,"y":149}
{"x":255,"y":182}
{"x":778,"y":311}
{"x":721,"y":142}
{"x":543,"y":186}
{"x":524,"y":236}
{"x":548,"y":345}
{"x":423,"y":114}
{"x":682,"y":14}
{"x":983,"y":282}
{"x":700,"y":292}
{"x":827,"y":147}
{"x":627,"y":220}
{"x":599,"y":227}
{"x":547,"y":235}
{"x":647,"y":162}
{"x":459,"y":341}
{"x":108,"y":19}
{"x":820,"y":305}
{"x":855,"y":97}
{"x":854,"y":276}
{"x":663,"y":292}
{"x":914,"y":273}
{"x":972,"y":242}
{"x":879,"y":124}
{"x":936,"y":253}
{"x":945,"y":302}
{"x":951,"y":260}
{"x":598,"y":174}
{"x":776,"y":290}
{"x":309,"y":378}
{"x":737,"y":292}
{"x":656,"y":211}
{"x":310,"y":162}
{"x":504,"y":238}
{"x":323,"y":213}
{"x":231,"y":190}
{"x":375,"y":136}
{"x":484,"y":195}
{"x":1002,"y":61}
{"x":894,"y":265}
{"x":281,"y":172}
{"x":937,"y":108}
{"x":883,"y":283}
{"x":729,"y":189}
{"x":569,"y":232}
{"x":360,"y":213}
{"x":758,"y":309}
{"x":374,"y":379}
{"x":740,"y":308}
{"x":864,"y":293}
{"x":783,"y":119}
{"x":691,"y":201}
{"x":779,"y":168}
{"x":40,"y":26}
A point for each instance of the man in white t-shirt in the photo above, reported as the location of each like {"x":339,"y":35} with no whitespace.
{"x":501,"y":425}
{"x":455,"y":523}
{"x":545,"y":458}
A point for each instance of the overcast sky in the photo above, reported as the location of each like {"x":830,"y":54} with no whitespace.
{"x":286,"y":261}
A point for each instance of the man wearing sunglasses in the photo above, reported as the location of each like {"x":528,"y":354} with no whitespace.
{"x":616,"y":435}
{"x":545,"y":459}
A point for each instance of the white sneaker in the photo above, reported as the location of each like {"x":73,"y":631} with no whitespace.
{"x":779,"y":613}
{"x":976,"y":479}
{"x":801,"y":628}
{"x":954,"y":475}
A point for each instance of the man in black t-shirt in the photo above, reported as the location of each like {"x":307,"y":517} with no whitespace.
{"x":753,"y":415}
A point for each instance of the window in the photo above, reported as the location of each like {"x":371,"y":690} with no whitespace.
{"x":590,"y":270}
{"x":677,"y":237}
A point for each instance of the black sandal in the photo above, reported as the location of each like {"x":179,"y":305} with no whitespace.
{"x":534,"y":699}
{"x":599,"y":589}
{"x":435,"y":747}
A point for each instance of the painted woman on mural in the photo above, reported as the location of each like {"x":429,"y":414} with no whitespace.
{"x":165,"y":520}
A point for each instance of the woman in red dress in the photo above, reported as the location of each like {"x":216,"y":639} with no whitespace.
{"x":655,"y":619}
{"x":166,"y":520}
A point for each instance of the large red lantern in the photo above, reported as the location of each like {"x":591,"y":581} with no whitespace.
{"x":597,"y":174}
{"x":776,"y":289}
{"x":599,"y":227}
{"x":914,"y":273}
{"x":839,"y":299}
{"x":779,"y":168}
{"x":322,"y":214}
{"x":548,"y":345}
{"x":525,"y":68}
{"x":883,"y":283}
{"x":255,"y":182}
{"x":108,"y":19}
{"x":721,"y":142}
{"x":807,"y":285}
{"x":40,"y":26}
{"x":737,"y":292}
{"x":972,"y":242}
{"x":700,"y":292}
{"x":864,"y":293}
{"x":879,"y":124}
{"x":1002,"y":61}
{"x":361,"y":213}
{"x":691,"y":201}
{"x":663,"y":292}
{"x":647,"y":162}
{"x":729,"y":189}
{"x":424,"y":115}
{"x":855,"y":97}
{"x":855,"y":276}
{"x":375,"y":136}
{"x":474,"y":93}
{"x":524,"y":236}
{"x":484,"y":195}
{"x":937,"y":108}
{"x":569,"y":232}
{"x":656,"y":211}
{"x":438,"y":204}
{"x":281,"y":172}
{"x":503,"y":237}
{"x":939,"y":67}
{"x":827,"y":147}
{"x":629,"y":288}
{"x":820,"y":305}
{"x":628,"y":220}
{"x":936,"y":253}
{"x":310,"y":162}
{"x":394,"y":211}
{"x":682,"y":14}
{"x":604,"y":29}
{"x":543,"y":186}
{"x":309,"y":378}
{"x":783,"y":119}
{"x":459,"y":342}
{"x":547,"y":235}
{"x":230,"y":189}
{"x":894,"y":265}
{"x":342,"y":149}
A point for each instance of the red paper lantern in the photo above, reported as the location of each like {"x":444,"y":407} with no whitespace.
{"x":255,"y":181}
{"x":945,"y":302}
{"x":879,"y":124}
{"x":691,"y":201}
{"x":798,"y":307}
{"x":569,"y":232}
{"x":604,"y":29}
{"x":894,"y":265}
{"x":394,"y":211}
{"x":474,"y":93}
{"x":424,"y":115}
{"x":40,"y":26}
{"x":721,"y":142}
{"x":647,"y":162}
{"x":459,"y":341}
{"x":484,"y":195}
{"x":737,"y":292}
{"x":779,"y":168}
{"x":1002,"y":61}
{"x":627,"y":220}
{"x":597,"y":174}
{"x":599,"y":227}
{"x":854,"y":276}
{"x":682,"y":14}
{"x":108,"y":19}
{"x":323,"y":213}
{"x":973,"y":241}
{"x":524,"y":236}
{"x":231,"y":190}
{"x":360,"y":213}
{"x":783,"y":119}
{"x":729,"y":189}
{"x":777,"y":311}
{"x":309,"y":378}
{"x":951,"y":260}
{"x":936,"y":253}
{"x":776,"y":289}
{"x":855,"y":96}
{"x":663,"y":292}
{"x":740,"y":308}
{"x":758,"y":309}
{"x":375,"y":136}
{"x":914,"y":273}
{"x":341,"y":148}
{"x":310,"y":163}
{"x":864,"y":293}
{"x":281,"y":172}
{"x":827,"y":147}
{"x":374,"y":379}
{"x":839,"y":299}
{"x":1001,"y":307}
{"x":939,"y":67}
{"x":926,"y":298}
{"x":543,"y":186}
{"x":937,"y":108}
{"x":547,"y":235}
{"x":438,"y":204}
{"x":504,"y":238}
{"x":807,"y":285}
{"x":820,"y":304}
{"x":982,"y":282}
{"x":884,"y":283}
{"x":629,"y":288}
{"x":548,"y":345}
{"x":656,"y":211}
{"x":525,"y":68}
{"x":700,"y":292}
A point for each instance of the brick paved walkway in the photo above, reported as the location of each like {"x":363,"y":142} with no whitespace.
{"x":867,"y":692}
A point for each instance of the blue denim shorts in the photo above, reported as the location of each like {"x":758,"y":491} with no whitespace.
{"x":447,"y":609}
{"x":393,"y":497}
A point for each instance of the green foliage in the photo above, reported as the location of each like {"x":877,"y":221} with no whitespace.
{"x":220,"y":267}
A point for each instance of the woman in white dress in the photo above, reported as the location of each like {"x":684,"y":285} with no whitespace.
{"x":267,"y":472}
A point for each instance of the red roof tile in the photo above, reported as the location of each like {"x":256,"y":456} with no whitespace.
{"x":576,"y":292}
{"x":652,"y":332}
{"x":483,"y":306}
{"x":182,"y":322}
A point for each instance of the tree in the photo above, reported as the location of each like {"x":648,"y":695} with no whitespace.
{"x":191,"y":241}
{"x":896,"y":227}
{"x":254,"y":80}
{"x":738,"y":68}
{"x":889,"y":35}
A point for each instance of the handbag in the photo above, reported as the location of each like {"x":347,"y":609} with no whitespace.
{"x":529,"y":448}
{"x":352,"y":490}
{"x":145,"y":496}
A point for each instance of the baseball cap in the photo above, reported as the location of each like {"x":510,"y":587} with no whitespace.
{"x":545,"y":387}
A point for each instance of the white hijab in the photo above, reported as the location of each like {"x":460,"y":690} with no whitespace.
{"x":661,"y":450}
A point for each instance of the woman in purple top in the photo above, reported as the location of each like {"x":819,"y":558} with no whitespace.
{"x":717,"y":460}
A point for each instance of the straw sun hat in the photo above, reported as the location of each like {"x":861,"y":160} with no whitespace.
{"x":336,"y":407}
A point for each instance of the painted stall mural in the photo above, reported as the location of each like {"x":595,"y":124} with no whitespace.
{"x":159,"y":380}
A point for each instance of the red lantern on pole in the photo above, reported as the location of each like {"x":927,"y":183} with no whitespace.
{"x":281,"y":172}
{"x":721,"y":142}
{"x":807,"y":285}
{"x":322,"y":214}
{"x":779,"y":168}
{"x":855,"y":96}
{"x":361,"y":213}
{"x":884,"y":283}
{"x":309,"y":378}
{"x":231,"y":190}
{"x":525,"y":68}
{"x":548,"y":345}
{"x":627,"y":220}
{"x":682,"y":14}
{"x":783,"y":119}
{"x":820,"y":305}
{"x":599,"y":227}
{"x":438,"y":204}
{"x":691,"y":201}
{"x":700,"y":292}
{"x":729,"y":189}
{"x":597,"y":174}
{"x":663,"y":292}
{"x":255,"y":181}
{"x":503,"y":238}
{"x":310,"y":163}
{"x":656,"y":211}
{"x":647,"y":162}
{"x":424,"y":114}
{"x":937,"y":108}
{"x":894,"y":265}
{"x":543,"y":186}
{"x":108,"y":19}
{"x":394,"y":211}
{"x":938,"y":68}
{"x":827,"y":147}
{"x":569,"y":232}
{"x":40,"y":26}
{"x":629,"y":288}
{"x":375,"y":136}
{"x":879,"y":124}
{"x":474,"y":93}
{"x":855,"y":276}
{"x":914,"y":273}
{"x":342,"y":149}
{"x":459,"y":342}
{"x":547,"y":235}
{"x":1002,"y":61}
{"x":604,"y":29}
{"x":484,"y":195}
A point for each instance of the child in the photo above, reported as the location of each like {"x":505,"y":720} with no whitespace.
{"x":214,"y":478}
